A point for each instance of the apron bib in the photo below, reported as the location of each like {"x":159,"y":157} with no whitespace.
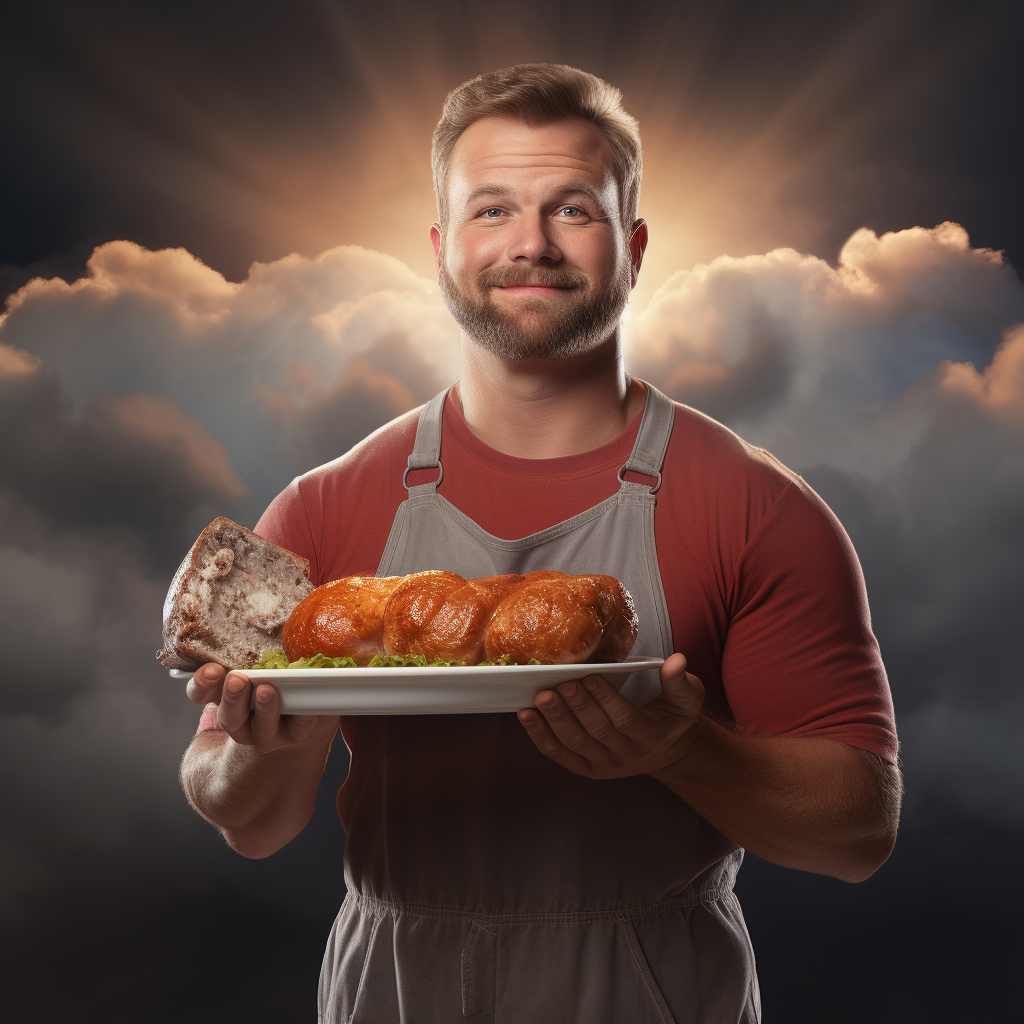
{"x":488,"y":883}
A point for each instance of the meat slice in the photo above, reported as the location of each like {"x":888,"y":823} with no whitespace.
{"x":230,"y":598}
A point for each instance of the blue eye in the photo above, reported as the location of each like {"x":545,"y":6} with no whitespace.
{"x":493,"y":209}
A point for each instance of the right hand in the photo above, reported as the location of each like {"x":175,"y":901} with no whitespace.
{"x":264,"y":727}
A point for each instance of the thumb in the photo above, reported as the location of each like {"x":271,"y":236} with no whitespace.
{"x":683,"y":689}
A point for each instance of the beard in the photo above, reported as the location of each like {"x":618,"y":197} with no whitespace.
{"x":580,"y":324}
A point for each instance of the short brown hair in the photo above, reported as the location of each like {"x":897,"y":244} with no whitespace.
{"x":539,"y":94}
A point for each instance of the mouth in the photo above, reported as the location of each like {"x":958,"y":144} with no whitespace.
{"x":533,"y":289}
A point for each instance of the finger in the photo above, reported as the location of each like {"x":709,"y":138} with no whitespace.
{"x":591,"y":715}
{"x":266,"y":719}
{"x":623,"y":714}
{"x":566,"y":726}
{"x":233,"y":713}
{"x":548,"y":743}
{"x":673,"y":667}
{"x":204,"y":687}
{"x":298,"y":728}
{"x":683,"y":690}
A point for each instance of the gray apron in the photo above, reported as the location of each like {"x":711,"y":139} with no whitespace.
{"x":488,"y":883}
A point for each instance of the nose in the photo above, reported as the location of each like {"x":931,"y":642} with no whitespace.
{"x":530,"y":241}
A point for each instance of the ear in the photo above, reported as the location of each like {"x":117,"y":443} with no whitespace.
{"x":637,"y":245}
{"x":435,"y":241}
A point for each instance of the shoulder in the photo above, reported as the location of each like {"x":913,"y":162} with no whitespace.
{"x":371,"y":463}
{"x":722,"y":453}
{"x":738,"y":505}
{"x":712,"y":469}
{"x":763,"y":517}
{"x":338,"y":514}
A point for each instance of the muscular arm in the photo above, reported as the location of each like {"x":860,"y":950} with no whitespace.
{"x":802,"y":802}
{"x":255,"y":777}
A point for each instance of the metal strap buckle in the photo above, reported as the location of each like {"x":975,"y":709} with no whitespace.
{"x":408,"y":469}
{"x":654,"y":490}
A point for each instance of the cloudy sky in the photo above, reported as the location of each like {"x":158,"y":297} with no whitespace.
{"x":214,"y":255}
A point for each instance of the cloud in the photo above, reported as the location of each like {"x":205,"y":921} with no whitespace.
{"x":163,"y":323}
{"x":133,"y":464}
{"x":315,"y":425}
{"x":783,"y":340}
{"x":894,"y":383}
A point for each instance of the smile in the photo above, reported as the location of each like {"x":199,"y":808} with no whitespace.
{"x":532,"y":289}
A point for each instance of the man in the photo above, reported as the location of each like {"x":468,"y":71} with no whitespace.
{"x":574,"y":862}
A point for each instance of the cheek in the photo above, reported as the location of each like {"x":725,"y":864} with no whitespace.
{"x":469,"y":254}
{"x":594,"y":252}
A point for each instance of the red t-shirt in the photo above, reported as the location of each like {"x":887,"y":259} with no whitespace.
{"x":764,"y":589}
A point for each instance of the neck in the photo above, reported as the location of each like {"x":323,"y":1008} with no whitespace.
{"x":547,"y":408}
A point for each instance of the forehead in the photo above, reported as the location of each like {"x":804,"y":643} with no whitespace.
{"x":503,"y":150}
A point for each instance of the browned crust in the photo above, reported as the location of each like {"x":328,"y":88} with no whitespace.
{"x":551,"y":616}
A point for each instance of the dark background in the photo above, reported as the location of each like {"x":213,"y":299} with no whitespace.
{"x":246,"y":132}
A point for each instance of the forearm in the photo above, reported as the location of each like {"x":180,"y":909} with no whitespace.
{"x":258,"y":801}
{"x":802,"y":802}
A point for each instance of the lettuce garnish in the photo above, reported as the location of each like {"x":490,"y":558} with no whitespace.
{"x":274,"y":657}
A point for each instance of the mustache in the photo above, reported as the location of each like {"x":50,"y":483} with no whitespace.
{"x":510,"y":277}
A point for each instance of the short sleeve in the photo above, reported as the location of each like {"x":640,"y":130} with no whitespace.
{"x":800,"y":657}
{"x":286,"y":523}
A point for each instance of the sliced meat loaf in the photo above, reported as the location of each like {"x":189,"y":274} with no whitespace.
{"x":230,"y":598}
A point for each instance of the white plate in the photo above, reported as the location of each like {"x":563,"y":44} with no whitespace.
{"x":462,"y":690}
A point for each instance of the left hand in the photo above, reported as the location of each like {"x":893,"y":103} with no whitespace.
{"x":591,"y":729}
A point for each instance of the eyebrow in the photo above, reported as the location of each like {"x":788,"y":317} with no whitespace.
{"x":503,"y":192}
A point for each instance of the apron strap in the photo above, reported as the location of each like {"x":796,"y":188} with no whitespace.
{"x":648,"y":455}
{"x":426,"y":451}
{"x":646,"y":459}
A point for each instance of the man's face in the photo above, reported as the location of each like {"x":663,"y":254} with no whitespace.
{"x":534,"y":262}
